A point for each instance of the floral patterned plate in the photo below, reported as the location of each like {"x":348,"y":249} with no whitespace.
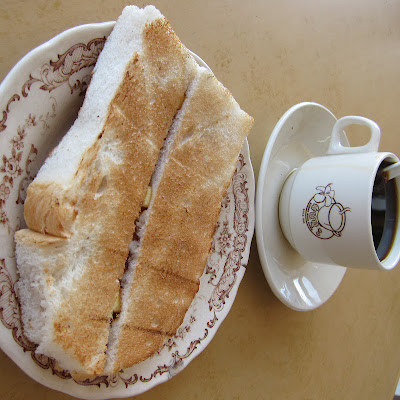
{"x":39,"y":100}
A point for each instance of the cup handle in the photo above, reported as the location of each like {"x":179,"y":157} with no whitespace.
{"x":335,"y":147}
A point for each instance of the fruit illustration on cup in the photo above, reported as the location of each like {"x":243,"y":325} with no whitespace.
{"x":324,"y":216}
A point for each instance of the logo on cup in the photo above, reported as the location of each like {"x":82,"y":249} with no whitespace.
{"x":324,"y":216}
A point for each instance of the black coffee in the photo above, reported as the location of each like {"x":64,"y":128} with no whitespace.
{"x":383,"y":212}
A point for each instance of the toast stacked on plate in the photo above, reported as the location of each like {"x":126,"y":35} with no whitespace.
{"x":124,"y":209}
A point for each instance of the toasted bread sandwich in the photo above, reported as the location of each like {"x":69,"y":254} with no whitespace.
{"x":116,"y":211}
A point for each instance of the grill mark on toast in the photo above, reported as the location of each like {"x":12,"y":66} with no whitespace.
{"x":154,"y":331}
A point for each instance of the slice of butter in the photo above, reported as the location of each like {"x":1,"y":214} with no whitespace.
{"x":117,"y":303}
{"x":147,"y":198}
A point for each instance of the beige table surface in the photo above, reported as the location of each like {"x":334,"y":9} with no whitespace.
{"x":344,"y":54}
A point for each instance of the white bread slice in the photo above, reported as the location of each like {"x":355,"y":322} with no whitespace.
{"x":82,"y":206}
{"x":175,"y":235}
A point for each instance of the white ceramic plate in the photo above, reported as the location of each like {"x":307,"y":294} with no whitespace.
{"x":39,"y":100}
{"x":303,"y":132}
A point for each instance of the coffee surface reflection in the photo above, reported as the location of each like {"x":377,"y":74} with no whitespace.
{"x":383,"y":212}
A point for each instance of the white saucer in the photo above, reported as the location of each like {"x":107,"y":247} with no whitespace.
{"x":303,"y":132}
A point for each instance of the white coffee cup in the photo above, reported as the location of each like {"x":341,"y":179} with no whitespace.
{"x":327,"y":209}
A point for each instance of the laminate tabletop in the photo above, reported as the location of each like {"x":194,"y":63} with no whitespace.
{"x":271,"y":55}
